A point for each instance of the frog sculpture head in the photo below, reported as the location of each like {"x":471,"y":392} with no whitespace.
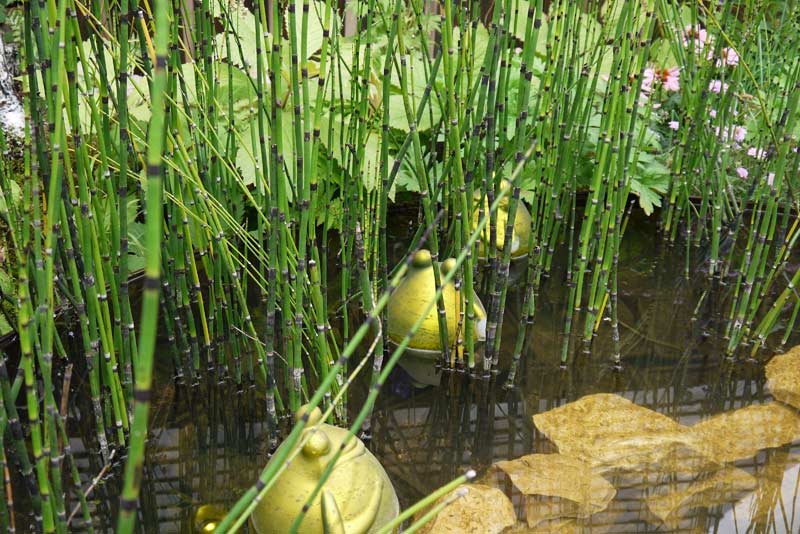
{"x":407,"y":304}
{"x":357,"y":498}
{"x":522,"y":225}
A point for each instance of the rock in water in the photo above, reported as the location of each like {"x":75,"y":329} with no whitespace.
{"x":480,"y":510}
{"x":611,"y":433}
{"x":783,"y":377}
{"x":562,"y":486}
{"x":742,"y":433}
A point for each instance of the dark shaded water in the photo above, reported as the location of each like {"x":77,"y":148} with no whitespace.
{"x":207,"y":445}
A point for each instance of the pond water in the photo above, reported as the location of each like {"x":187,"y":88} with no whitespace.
{"x":207,"y":444}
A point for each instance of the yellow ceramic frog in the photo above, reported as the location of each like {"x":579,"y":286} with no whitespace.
{"x":522,"y":225}
{"x":357,"y":498}
{"x":207,"y":517}
{"x":411,"y":297}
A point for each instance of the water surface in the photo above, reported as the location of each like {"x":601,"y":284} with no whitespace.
{"x":207,"y":445}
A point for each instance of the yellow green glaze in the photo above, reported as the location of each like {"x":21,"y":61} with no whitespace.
{"x":207,"y":517}
{"x":357,"y":498}
{"x":412,"y":296}
{"x":522,"y":225}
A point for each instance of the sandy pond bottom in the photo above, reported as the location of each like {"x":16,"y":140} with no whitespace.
{"x":676,"y":441}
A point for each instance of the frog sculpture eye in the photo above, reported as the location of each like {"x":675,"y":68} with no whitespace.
{"x":318,"y":444}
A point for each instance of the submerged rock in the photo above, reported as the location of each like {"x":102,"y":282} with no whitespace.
{"x":742,"y":433}
{"x":562,"y":486}
{"x":610,"y":433}
{"x":783,"y":377}
{"x":480,"y":510}
{"x":556,"y":526}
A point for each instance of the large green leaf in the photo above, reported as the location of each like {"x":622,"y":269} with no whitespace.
{"x":16,"y":195}
{"x":249,"y":159}
{"x":520,"y":25}
{"x":331,"y":211}
{"x":476,"y":40}
{"x":240,"y":31}
{"x":316,"y":17}
{"x":406,"y":180}
{"x":650,"y":186}
{"x":612,"y":11}
{"x":235,"y":86}
{"x":417,"y":78}
{"x":342,"y":148}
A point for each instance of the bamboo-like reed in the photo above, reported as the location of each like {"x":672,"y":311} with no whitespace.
{"x":162,"y":29}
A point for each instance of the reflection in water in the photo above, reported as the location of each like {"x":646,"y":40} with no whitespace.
{"x":773,"y":506}
{"x":208,"y":441}
{"x":555,"y":486}
{"x":672,"y":503}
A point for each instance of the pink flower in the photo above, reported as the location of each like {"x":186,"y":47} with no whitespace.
{"x":695,"y":33}
{"x":770,"y":178}
{"x":718,"y":86}
{"x":698,"y":37}
{"x":758,"y":153}
{"x":673,"y":125}
{"x":668,"y":78}
{"x":742,"y":172}
{"x":713,"y":113}
{"x":737,"y":133}
{"x":728,"y":57}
